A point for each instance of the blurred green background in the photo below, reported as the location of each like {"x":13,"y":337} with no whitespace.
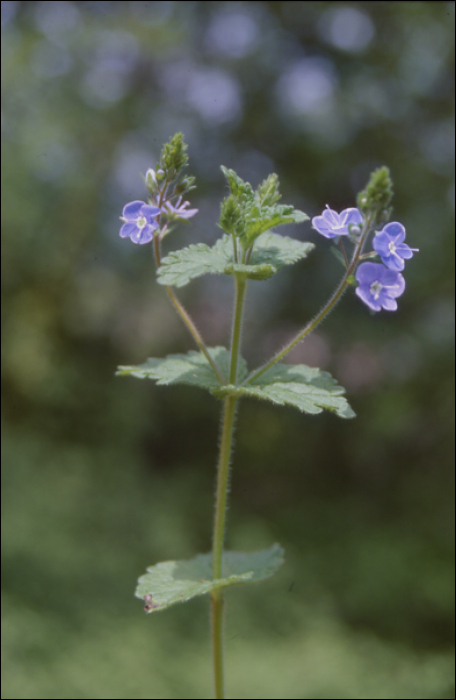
{"x":103,"y":476}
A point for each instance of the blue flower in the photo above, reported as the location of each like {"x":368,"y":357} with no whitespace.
{"x":140,"y":223}
{"x":378,"y":286}
{"x":389,"y":244}
{"x":331,"y":224}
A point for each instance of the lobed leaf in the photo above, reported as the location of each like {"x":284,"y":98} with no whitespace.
{"x":173,"y":582}
{"x":192,"y":368}
{"x":262,"y":218}
{"x":306,"y":388}
{"x":271,"y":250}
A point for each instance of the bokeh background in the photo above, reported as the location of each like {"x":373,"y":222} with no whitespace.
{"x":104,"y":476}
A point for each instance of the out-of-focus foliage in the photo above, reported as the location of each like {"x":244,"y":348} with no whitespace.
{"x":103,"y":476}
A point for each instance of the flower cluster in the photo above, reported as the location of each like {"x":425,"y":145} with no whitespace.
{"x":378,"y":284}
{"x":165,"y":185}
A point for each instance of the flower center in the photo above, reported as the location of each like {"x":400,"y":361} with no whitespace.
{"x":375,"y":289}
{"x":141,"y":221}
{"x":392,"y":247}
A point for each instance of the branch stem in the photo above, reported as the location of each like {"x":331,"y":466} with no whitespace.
{"x":328,"y":307}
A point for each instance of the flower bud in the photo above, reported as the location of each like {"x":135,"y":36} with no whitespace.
{"x":378,"y":193}
{"x":152,"y":180}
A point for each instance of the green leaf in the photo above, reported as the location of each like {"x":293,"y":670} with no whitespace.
{"x":192,"y":368}
{"x":276,"y":250}
{"x":181,"y":266}
{"x":306,"y":388}
{"x":262,"y":218}
{"x":247,"y":213}
{"x":173,"y":582}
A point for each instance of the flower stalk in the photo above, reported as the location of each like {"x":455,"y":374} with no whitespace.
{"x":327,"y":308}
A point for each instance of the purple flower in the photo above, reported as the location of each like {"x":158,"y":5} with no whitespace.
{"x":178,"y":211}
{"x":140,"y":222}
{"x":378,"y":286}
{"x":389,"y":244}
{"x":331,"y":224}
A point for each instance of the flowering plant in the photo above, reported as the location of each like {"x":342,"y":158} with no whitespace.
{"x":249,"y":249}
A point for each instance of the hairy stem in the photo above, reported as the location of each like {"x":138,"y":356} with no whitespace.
{"x":223,"y":472}
{"x":217,"y":599}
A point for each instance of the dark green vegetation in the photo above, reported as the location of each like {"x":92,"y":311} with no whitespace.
{"x":103,"y":476}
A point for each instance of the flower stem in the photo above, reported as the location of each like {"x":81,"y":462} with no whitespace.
{"x":328,"y":307}
{"x":186,"y":318}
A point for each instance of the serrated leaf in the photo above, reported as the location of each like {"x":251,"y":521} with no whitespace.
{"x":173,"y":582}
{"x":263,"y":218}
{"x":192,"y":368}
{"x":181,"y":266}
{"x":276,"y":250}
{"x":306,"y":388}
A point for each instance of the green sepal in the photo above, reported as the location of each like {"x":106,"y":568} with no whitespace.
{"x":181,"y":266}
{"x":338,"y":254}
{"x":172,"y":582}
{"x":306,"y":388}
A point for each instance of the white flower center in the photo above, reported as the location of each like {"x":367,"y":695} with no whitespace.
{"x":141,"y":221}
{"x":375,"y":289}
{"x":392,"y":247}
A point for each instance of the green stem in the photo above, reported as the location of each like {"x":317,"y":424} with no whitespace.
{"x":328,"y":307}
{"x":223,"y":472}
{"x":186,"y":318}
{"x":240,"y":289}
{"x":217,"y":600}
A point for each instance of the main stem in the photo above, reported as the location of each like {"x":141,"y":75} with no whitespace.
{"x":223,"y":472}
{"x":217,"y":599}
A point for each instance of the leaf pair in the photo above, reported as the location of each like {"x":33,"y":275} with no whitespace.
{"x":271,"y":252}
{"x":306,"y":388}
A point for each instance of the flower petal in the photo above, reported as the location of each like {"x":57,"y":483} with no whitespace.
{"x":351,"y":216}
{"x":131,"y":211}
{"x":331,"y":217}
{"x":322,"y":226}
{"x":404,"y":251}
{"x":381,"y":243}
{"x":394,"y":229}
{"x":389,"y":304}
{"x":144,"y":235}
{"x":365,"y":296}
{"x":128,"y":229}
{"x":149,"y":211}
{"x":368,"y":272}
{"x":393,"y":261}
